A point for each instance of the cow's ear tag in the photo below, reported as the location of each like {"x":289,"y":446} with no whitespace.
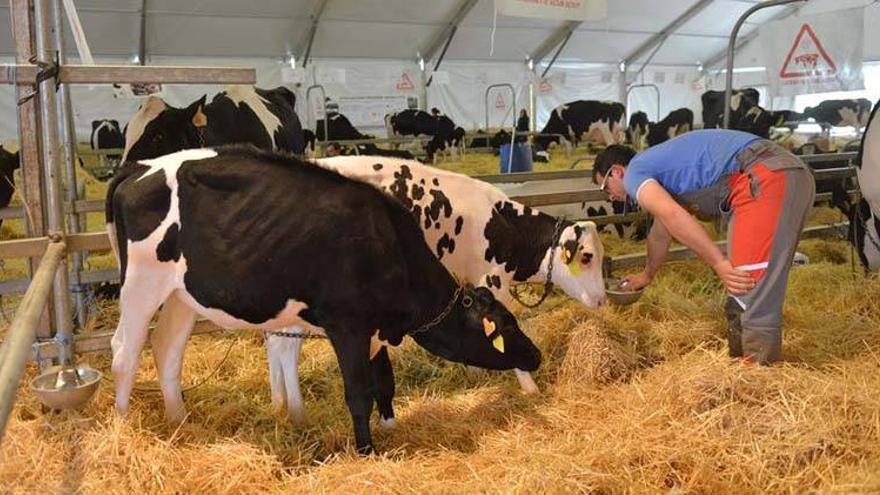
{"x":488,"y":326}
{"x":567,"y":255}
{"x":498,"y":344}
{"x":200,"y":119}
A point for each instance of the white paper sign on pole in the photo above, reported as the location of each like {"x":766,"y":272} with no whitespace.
{"x":570,"y":10}
{"x":440,"y":77}
{"x":370,"y":111}
{"x":815,"y":54}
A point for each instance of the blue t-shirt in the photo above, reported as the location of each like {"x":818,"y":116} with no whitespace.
{"x":689,"y":162}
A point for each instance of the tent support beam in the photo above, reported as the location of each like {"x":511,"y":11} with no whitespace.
{"x":748,"y":37}
{"x":305,"y":49}
{"x":444,"y":37}
{"x":142,"y":41}
{"x":442,"y":54}
{"x":561,"y":35}
{"x":667,"y":31}
{"x":556,"y":54}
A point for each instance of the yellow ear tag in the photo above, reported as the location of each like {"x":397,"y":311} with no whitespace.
{"x":498,"y":343}
{"x":566,"y":256}
{"x":200,"y":119}
{"x":488,"y":326}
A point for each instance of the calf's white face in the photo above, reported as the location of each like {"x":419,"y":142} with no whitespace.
{"x":577,"y":268}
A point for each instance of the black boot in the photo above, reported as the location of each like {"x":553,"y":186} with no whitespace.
{"x":734,"y":327}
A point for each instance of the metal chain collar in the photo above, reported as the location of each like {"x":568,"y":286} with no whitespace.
{"x":424,"y":328}
{"x":548,"y":282}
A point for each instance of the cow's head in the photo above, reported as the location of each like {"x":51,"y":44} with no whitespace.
{"x":158,"y":129}
{"x":577,"y":267}
{"x":480,"y":331}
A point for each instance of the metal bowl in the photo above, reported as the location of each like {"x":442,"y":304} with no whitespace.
{"x":618,"y":295}
{"x":66,"y":388}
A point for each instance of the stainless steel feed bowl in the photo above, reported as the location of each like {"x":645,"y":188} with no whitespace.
{"x":66,"y":388}
{"x":618,"y":295}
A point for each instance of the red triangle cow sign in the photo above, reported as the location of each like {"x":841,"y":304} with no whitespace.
{"x":807,"y":57}
{"x":405,"y":83}
{"x":499,"y":102}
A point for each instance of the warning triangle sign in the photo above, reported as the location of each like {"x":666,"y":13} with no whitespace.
{"x":405,"y":82}
{"x":807,"y":57}
{"x":499,"y":102}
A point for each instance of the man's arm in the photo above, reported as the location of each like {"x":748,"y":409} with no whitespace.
{"x":658,"y":243}
{"x":683,"y":227}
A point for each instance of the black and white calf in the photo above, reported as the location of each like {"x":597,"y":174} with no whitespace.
{"x":864,"y":219}
{"x":713,"y":104}
{"x":241,"y":114}
{"x":590,"y":120}
{"x":251,"y":239}
{"x":9,"y":162}
{"x":841,"y":113}
{"x":106,"y":134}
{"x":675,"y":124}
{"x":637,"y":129}
{"x":478,"y":234}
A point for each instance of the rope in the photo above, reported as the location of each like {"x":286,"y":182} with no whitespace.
{"x":144,"y":388}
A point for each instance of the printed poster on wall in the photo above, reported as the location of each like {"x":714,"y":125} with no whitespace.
{"x":370,"y":111}
{"x":570,"y":10}
{"x":815,"y":54}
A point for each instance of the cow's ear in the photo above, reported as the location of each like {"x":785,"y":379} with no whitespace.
{"x":195,"y":112}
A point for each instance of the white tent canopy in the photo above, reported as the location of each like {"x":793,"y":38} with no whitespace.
{"x":375,"y":41}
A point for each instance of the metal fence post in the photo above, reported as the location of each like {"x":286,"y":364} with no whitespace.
{"x":52,"y":176}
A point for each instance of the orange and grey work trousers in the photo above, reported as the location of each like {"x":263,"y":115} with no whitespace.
{"x":765,"y":203}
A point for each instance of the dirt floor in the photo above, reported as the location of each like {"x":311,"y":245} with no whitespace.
{"x":635,"y":399}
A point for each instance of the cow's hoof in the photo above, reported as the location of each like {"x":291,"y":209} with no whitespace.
{"x":366,"y":450}
{"x":386,"y":423}
{"x":297,"y":416}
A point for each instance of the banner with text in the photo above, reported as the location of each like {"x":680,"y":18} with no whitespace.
{"x":571,"y":10}
{"x":815,"y":54}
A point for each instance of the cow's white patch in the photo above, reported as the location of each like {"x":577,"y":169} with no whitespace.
{"x":735,"y":101}
{"x":151,"y":109}
{"x":376,"y":344}
{"x":849,"y":117}
{"x":869,"y":172}
{"x":246,"y":94}
{"x":386,"y":423}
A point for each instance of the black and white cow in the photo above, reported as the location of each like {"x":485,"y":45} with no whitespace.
{"x":223,"y":233}
{"x":9,"y":163}
{"x":106,"y":134}
{"x":418,"y":123}
{"x":675,"y":124}
{"x":339,"y":128}
{"x":590,"y":120}
{"x":841,"y":113}
{"x":479,"y":234}
{"x":637,"y":129}
{"x":241,"y":114}
{"x":713,"y":104}
{"x":864,"y":219}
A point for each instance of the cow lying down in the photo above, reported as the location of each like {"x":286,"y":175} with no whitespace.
{"x":251,"y":239}
{"x":478,"y":234}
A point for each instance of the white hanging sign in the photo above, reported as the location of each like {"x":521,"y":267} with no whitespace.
{"x":571,"y":10}
{"x":440,"y":77}
{"x":815,"y":54}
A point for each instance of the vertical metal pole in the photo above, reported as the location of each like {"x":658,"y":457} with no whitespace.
{"x":423,"y":90}
{"x":22,"y":30}
{"x":52,"y":175}
{"x":68,"y":137}
{"x":533,"y":101}
{"x":621,"y":85}
{"x":731,"y":48}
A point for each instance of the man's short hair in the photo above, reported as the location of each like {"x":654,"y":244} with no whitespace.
{"x":612,"y":155}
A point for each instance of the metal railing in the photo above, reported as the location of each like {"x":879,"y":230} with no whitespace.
{"x":17,"y":346}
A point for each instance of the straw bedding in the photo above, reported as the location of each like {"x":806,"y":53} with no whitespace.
{"x":634,"y":400}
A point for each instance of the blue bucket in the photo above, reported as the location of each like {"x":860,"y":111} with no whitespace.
{"x":522,"y":158}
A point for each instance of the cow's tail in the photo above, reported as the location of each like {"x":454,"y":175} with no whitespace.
{"x":113,"y":227}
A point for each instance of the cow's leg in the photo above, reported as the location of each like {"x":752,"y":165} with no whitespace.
{"x":383,"y":386}
{"x":353,"y":354}
{"x":169,"y":341}
{"x":140,"y":297}
{"x":607,"y":136}
{"x":283,"y":354}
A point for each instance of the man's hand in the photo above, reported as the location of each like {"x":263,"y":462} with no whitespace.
{"x":736,"y":281}
{"x":635,"y":282}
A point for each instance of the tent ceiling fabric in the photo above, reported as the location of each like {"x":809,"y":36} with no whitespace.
{"x":391,"y":29}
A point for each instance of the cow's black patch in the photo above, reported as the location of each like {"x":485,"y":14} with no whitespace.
{"x":436,"y":181}
{"x":400,"y":188}
{"x":439,"y":203}
{"x":459,"y":222}
{"x":422,"y":182}
{"x":151,"y":196}
{"x":377,"y":167}
{"x":493,"y":281}
{"x":169,"y":248}
{"x":446,"y":243}
{"x":418,"y":192}
{"x":518,"y":241}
